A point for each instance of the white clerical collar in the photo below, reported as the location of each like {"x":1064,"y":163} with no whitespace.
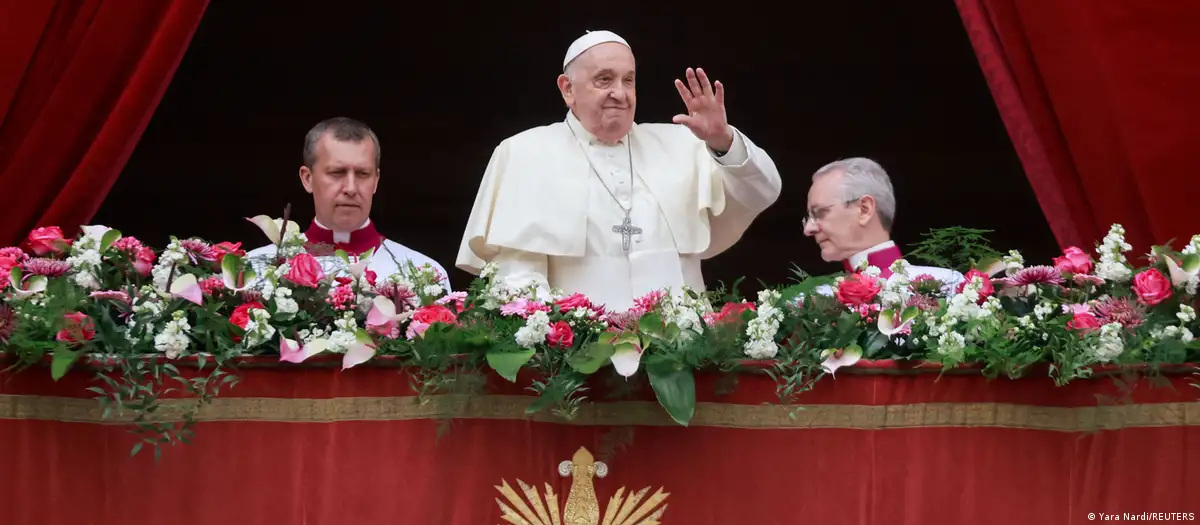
{"x":586,"y":136}
{"x":861,"y":257}
{"x":341,"y":236}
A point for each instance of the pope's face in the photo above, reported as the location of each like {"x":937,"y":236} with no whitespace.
{"x":600,"y":90}
{"x":342,"y":181}
{"x":836,"y":225}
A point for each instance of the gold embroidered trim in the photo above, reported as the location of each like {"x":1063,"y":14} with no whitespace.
{"x":646,"y":413}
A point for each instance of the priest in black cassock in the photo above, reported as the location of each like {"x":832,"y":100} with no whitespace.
{"x":341,"y":171}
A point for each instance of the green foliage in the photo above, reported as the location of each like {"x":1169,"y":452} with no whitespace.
{"x":954,"y":247}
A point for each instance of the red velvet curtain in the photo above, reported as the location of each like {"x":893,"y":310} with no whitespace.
{"x":79,"y":81}
{"x":1100,"y":99}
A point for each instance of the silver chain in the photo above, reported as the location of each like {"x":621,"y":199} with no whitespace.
{"x":629,"y":153}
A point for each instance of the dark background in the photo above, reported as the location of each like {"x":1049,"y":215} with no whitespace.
{"x":895,"y":81}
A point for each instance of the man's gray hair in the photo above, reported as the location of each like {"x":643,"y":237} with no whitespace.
{"x":341,"y":129}
{"x":861,"y":177}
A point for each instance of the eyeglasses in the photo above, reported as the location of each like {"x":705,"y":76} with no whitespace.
{"x":818,"y":214}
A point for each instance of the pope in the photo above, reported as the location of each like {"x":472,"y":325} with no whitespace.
{"x":599,"y":205}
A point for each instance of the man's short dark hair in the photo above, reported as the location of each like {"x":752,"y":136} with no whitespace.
{"x":341,"y":129}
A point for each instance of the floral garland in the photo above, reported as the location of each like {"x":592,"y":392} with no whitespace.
{"x":136,"y":312}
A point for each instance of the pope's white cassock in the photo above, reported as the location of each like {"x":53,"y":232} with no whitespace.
{"x":551,"y":209}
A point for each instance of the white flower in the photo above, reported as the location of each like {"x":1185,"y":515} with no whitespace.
{"x":172,"y":257}
{"x":173,"y":340}
{"x":284,"y":303}
{"x":537,"y":325}
{"x":488,"y":270}
{"x":433,"y":290}
{"x":761,"y":330}
{"x":258,"y":329}
{"x":1112,"y":251}
{"x":1186,"y":314}
{"x":1013,"y":262}
{"x":1109,"y":345}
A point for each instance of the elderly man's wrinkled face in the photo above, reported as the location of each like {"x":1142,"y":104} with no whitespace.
{"x":599,"y":87}
{"x":342,"y":181}
{"x":835,"y":224}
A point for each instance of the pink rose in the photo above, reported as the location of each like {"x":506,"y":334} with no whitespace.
{"x":143,"y":260}
{"x":1152,"y":287}
{"x":1074,"y":261}
{"x":857,"y":289}
{"x":305,"y":270}
{"x":1083,"y":322}
{"x":729,"y":312}
{"x":560,"y":335}
{"x":572,"y":302}
{"x":79,"y":329}
{"x":985,"y":291}
{"x":7,"y":263}
{"x":434,"y":314}
{"x":43,"y":241}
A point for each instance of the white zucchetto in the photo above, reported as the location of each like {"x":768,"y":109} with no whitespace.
{"x":590,"y":40}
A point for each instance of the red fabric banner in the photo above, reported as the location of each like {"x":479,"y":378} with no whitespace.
{"x":79,"y":81}
{"x":1100,"y":101}
{"x":315,"y":446}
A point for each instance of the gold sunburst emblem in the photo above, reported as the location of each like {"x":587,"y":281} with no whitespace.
{"x":582,"y":507}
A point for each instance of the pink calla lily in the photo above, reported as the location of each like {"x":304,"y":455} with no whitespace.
{"x":291,"y":351}
{"x":187,"y":287}
{"x":835,"y":359}
{"x":360,"y":352}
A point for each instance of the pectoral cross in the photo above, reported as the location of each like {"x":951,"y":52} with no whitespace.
{"x":627,"y":230}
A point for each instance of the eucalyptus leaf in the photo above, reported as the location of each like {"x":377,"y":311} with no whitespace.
{"x":508,"y":364}
{"x":675,"y":387}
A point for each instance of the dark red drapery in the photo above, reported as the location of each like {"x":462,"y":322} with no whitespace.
{"x":79,"y":81}
{"x":317,"y":446}
{"x":1100,"y":101}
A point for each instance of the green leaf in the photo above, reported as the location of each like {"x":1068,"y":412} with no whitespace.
{"x":110,"y":237}
{"x":341,"y":254}
{"x":651,"y":323}
{"x":507,"y":364}
{"x":675,"y":387}
{"x":63,"y":359}
{"x":136,"y":448}
{"x":591,"y":358}
{"x":1191,"y":263}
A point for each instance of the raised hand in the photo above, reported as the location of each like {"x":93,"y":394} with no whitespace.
{"x":705,"y":110}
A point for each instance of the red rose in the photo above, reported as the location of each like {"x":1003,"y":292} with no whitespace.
{"x":857,"y":289}
{"x":46,"y":240}
{"x":572,"y":302}
{"x":560,"y":335}
{"x":985,"y":291}
{"x":1074,"y":261}
{"x":370,"y":276}
{"x":305,"y":270}
{"x":434,"y":314}
{"x":1152,"y":287}
{"x":1084,"y":322}
{"x":79,"y":329}
{"x":241,"y":316}
{"x":227,"y":248}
